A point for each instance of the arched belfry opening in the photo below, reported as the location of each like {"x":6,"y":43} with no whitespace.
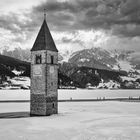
{"x":38,"y":59}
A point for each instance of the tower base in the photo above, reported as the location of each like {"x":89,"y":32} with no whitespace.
{"x":42,"y":105}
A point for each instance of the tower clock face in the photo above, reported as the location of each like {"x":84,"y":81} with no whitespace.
{"x":37,"y":71}
{"x":51,"y":69}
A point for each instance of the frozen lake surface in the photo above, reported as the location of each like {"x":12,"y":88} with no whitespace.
{"x":111,"y":120}
{"x":74,"y":94}
{"x":75,"y":121}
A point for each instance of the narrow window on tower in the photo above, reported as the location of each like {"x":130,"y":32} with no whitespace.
{"x":52,"y":59}
{"x":53,"y":105}
{"x":38,"y":59}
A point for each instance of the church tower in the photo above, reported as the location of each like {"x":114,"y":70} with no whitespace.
{"x":44,"y":74}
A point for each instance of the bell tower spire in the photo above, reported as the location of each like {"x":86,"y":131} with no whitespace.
{"x":44,"y":73}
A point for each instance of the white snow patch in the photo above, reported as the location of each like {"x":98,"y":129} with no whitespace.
{"x":24,"y":81}
{"x":68,"y":94}
{"x":127,"y":78}
{"x":109,"y":85}
{"x":16,"y":72}
{"x":115,"y":67}
{"x":125,"y":65}
{"x":84,"y":59}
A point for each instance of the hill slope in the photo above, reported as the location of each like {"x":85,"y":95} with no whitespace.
{"x":83,"y":68}
{"x":11,"y":63}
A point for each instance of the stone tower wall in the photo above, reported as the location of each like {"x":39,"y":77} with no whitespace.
{"x":44,"y":84}
{"x":52,"y":82}
{"x":38,"y":83}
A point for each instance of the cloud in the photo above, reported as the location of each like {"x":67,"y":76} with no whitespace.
{"x":77,"y":22}
{"x":115,"y":42}
{"x":120,"y":17}
{"x":83,"y":39}
{"x":130,"y":7}
{"x":93,"y":14}
{"x":128,"y":30}
{"x":135,"y":58}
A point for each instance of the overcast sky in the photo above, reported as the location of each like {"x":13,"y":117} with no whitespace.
{"x":74,"y":24}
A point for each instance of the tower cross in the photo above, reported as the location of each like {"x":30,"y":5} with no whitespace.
{"x":45,"y":13}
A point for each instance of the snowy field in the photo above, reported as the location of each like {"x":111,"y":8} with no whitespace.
{"x":75,"y":120}
{"x":68,"y":94}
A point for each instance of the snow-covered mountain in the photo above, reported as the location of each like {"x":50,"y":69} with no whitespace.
{"x":95,"y":57}
{"x":94,"y":67}
{"x":128,"y":61}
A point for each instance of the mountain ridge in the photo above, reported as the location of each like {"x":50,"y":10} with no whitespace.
{"x":85,"y":67}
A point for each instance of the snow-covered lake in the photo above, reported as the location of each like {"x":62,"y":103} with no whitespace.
{"x":74,"y":94}
{"x":75,"y":121}
{"x":111,"y":120}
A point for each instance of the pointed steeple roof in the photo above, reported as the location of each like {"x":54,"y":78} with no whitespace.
{"x":44,"y":40}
